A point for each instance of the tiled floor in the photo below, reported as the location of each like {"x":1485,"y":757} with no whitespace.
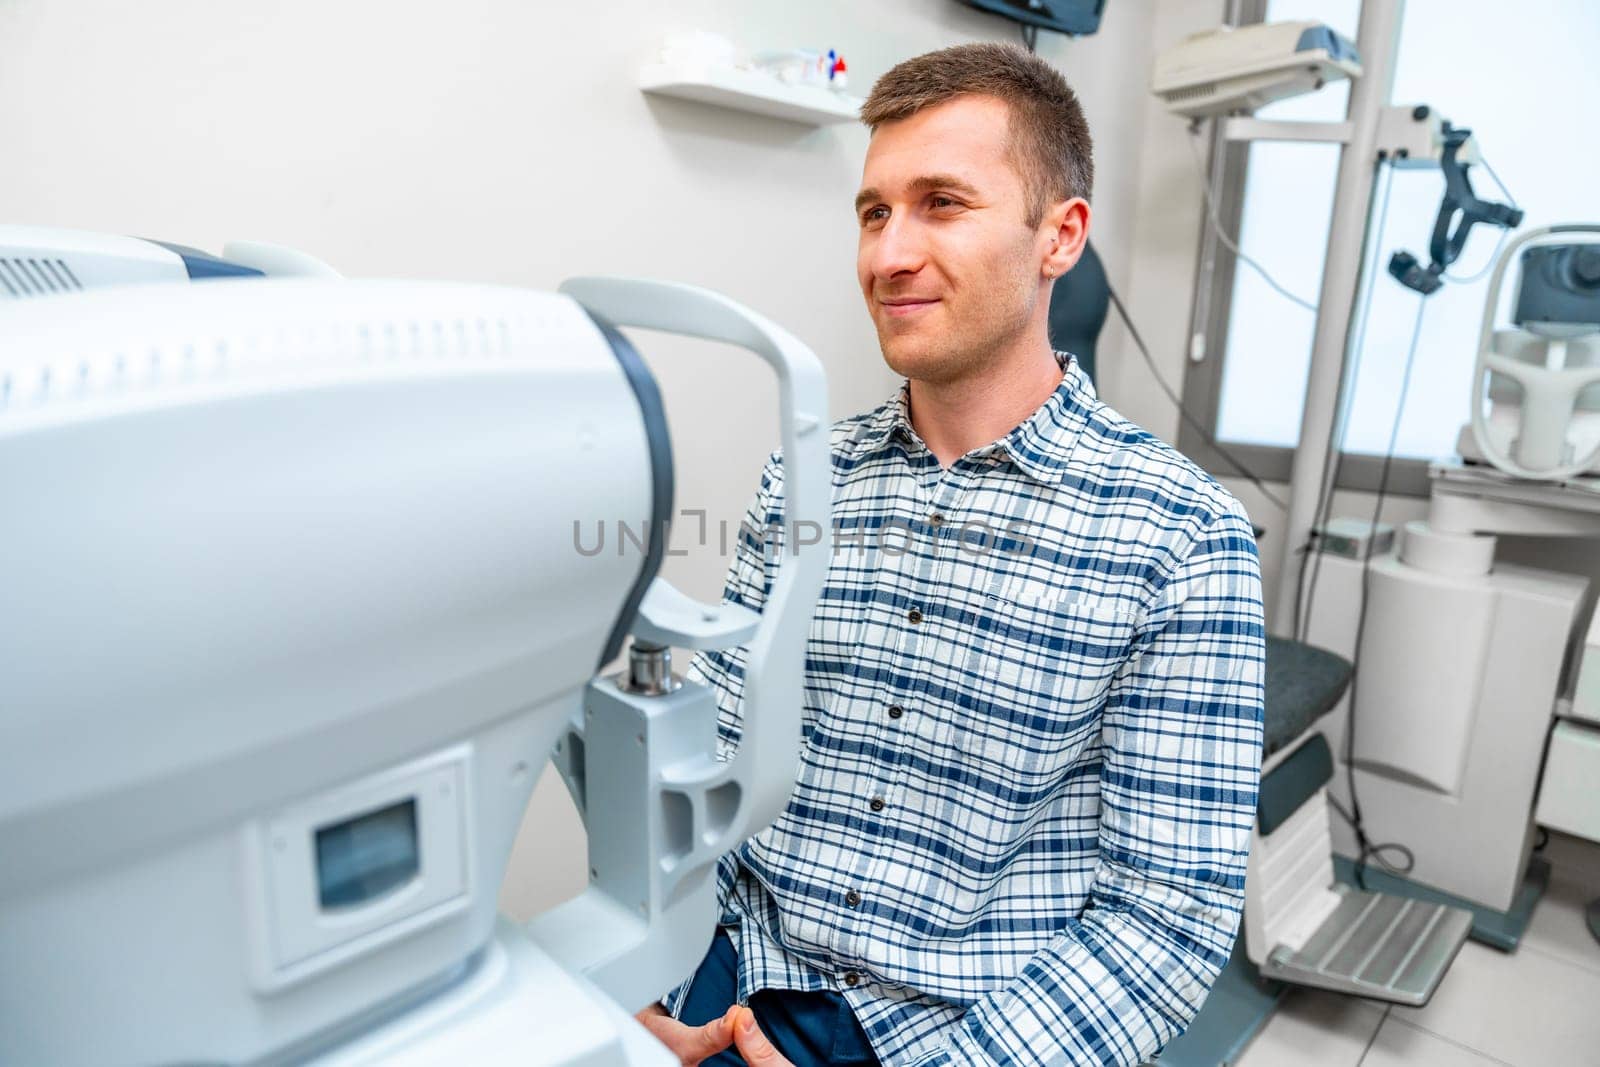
{"x":1537,"y":1006}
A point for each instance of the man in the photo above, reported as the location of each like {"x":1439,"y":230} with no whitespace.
{"x":1034,"y":678}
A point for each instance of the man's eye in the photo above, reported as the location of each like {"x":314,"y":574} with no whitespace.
{"x":874,"y":214}
{"x":944,"y":202}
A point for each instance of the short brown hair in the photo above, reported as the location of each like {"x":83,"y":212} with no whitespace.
{"x":1049,"y":135}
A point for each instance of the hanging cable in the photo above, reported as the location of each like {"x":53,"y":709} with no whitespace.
{"x":1183,"y":412}
{"x":1484,"y":163}
{"x":1479,"y":274}
{"x":1334,"y":450}
{"x":1307,"y":591}
{"x":1228,"y":242}
{"x":1365,"y":848}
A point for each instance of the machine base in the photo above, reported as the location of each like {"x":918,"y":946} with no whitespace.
{"x":1240,"y":1004}
{"x":1498,"y":929}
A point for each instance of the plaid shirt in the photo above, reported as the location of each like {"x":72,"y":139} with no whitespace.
{"x":1032,"y":742}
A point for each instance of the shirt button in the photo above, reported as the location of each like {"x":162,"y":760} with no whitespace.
{"x":852,"y":898}
{"x":936,"y":519}
{"x":914,"y":616}
{"x":877,"y":804}
{"x":851,"y":978}
{"x":895,"y":711}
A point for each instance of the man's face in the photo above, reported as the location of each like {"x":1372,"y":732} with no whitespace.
{"x":949,"y":266}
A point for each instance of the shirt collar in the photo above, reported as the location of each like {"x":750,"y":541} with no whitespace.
{"x":1039,"y":447}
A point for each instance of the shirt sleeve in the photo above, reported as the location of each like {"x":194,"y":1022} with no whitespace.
{"x":751,"y":573}
{"x":1181,"y":770}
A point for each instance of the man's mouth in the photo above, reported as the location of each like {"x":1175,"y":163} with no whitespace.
{"x":901,"y":306}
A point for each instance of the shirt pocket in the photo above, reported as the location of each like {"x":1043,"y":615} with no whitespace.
{"x":1047,"y":658}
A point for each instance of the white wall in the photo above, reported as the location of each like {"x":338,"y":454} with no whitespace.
{"x":1156,"y":274}
{"x":504,"y":141}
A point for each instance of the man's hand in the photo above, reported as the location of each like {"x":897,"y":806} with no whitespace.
{"x":753,"y":1044}
{"x":690,"y":1044}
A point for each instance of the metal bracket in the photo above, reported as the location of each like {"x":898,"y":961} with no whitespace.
{"x":671,"y":618}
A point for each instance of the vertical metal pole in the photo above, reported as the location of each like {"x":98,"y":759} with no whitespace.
{"x":1377,"y":39}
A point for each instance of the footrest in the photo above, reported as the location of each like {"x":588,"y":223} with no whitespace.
{"x":1376,"y":945}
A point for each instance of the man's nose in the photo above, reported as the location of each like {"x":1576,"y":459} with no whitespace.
{"x":897,"y":249}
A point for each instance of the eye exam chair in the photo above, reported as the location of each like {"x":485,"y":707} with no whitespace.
{"x":1301,"y":926}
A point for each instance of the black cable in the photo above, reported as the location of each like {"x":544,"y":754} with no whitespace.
{"x":1365,"y":847}
{"x":1177,"y":402}
{"x":1222,"y":235}
{"x":1030,"y":38}
{"x":1334,"y":451}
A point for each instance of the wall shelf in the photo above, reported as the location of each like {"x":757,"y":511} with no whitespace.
{"x":751,"y":90}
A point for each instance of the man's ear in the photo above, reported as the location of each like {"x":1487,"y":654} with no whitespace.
{"x":1066,"y":230}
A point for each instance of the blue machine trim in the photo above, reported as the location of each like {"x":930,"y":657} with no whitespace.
{"x":1239,"y":1005}
{"x":1337,"y":47}
{"x":655,"y":428}
{"x":204,"y":265}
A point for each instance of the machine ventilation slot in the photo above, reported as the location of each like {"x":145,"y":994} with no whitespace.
{"x":1192,"y":92}
{"x":21,"y":277}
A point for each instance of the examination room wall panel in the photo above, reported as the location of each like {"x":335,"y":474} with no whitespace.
{"x":505,"y":141}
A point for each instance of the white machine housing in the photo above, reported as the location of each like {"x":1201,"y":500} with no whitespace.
{"x":41,"y":261}
{"x":1241,"y":68}
{"x":294,"y":616}
{"x":1451,"y":720}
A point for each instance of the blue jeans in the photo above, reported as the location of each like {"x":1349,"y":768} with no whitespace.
{"x":815,"y":1028}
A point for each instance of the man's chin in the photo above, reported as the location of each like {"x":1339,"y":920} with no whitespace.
{"x":912,"y":357}
{"x":903,"y":360}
